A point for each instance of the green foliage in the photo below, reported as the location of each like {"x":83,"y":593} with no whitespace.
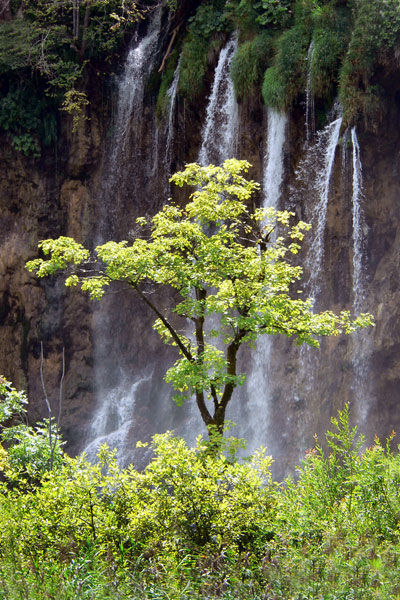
{"x":14,"y":45}
{"x":286,"y":78}
{"x":376,"y":32}
{"x":74,"y":104}
{"x":184,"y":501}
{"x":349,"y":45}
{"x":339,"y":521}
{"x":195,"y":525}
{"x":30,"y":454}
{"x":28,"y":117}
{"x":208,"y":20}
{"x":249,"y":63}
{"x":12,"y":402}
{"x":274,"y":12}
{"x":244,"y":17}
{"x":235,"y":277}
{"x":30,"y":451}
{"x":274,"y":89}
{"x":331,"y":30}
{"x":54,"y":43}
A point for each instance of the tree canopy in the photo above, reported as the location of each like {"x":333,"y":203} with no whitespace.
{"x":232,"y":271}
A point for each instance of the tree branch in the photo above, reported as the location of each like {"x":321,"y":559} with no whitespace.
{"x":172,"y":331}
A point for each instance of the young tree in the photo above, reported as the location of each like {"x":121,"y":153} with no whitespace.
{"x":231,"y":275}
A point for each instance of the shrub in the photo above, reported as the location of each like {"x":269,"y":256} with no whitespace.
{"x":375,"y":33}
{"x":331,"y":31}
{"x":208,"y":20}
{"x":28,"y":116}
{"x":286,"y":79}
{"x":249,"y":63}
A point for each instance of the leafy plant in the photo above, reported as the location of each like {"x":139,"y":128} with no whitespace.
{"x":375,"y":33}
{"x":29,"y":452}
{"x":285,"y":80}
{"x":274,"y":12}
{"x":237,"y":274}
{"x":28,"y":117}
{"x":192,"y":524}
{"x":208,"y":21}
{"x":249,"y":63}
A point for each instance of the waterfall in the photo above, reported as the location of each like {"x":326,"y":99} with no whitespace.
{"x":126,"y":125}
{"x":112,"y":421}
{"x":361,"y":340}
{"x":320,"y":159}
{"x":273,"y":161}
{"x":138,"y":66}
{"x":219,"y":134}
{"x":358,"y":227}
{"x":310,"y":108}
{"x":312,"y":187}
{"x":258,"y":384}
{"x":172,"y":94}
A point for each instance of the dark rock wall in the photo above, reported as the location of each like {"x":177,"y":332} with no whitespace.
{"x":61,"y":195}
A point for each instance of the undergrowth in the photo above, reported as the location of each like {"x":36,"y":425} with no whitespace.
{"x":194,"y":524}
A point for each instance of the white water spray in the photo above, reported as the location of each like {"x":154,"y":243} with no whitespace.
{"x":273,"y":161}
{"x":359,"y":227}
{"x":131,"y":84}
{"x":219,"y":135}
{"x":323,"y":151}
{"x":259,"y":379}
{"x":313,"y":184}
{"x":361,"y":383}
{"x":172,"y":94}
{"x":113,"y":422}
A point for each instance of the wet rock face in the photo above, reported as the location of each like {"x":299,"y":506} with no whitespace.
{"x":62,"y":195}
{"x":361,"y":369}
{"x":39,"y":200}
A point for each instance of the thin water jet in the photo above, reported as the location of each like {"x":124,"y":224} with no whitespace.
{"x":219,"y":136}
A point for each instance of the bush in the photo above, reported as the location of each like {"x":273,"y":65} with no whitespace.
{"x":28,"y":116}
{"x":249,"y":63}
{"x":331,"y":31}
{"x":31,"y":451}
{"x":208,"y":20}
{"x":286,"y":79}
{"x":376,"y":32}
{"x":194,"y":524}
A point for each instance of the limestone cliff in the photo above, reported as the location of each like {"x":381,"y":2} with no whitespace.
{"x":66,"y":193}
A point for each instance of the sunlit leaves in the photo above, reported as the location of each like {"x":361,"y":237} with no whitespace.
{"x":232,"y":271}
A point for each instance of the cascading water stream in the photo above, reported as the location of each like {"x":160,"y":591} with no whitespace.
{"x":273,"y":161}
{"x":219,"y":136}
{"x":172,"y":95}
{"x":325,"y":150}
{"x":258,"y":384}
{"x":358,"y":228}
{"x":138,"y":65}
{"x":113,"y":418}
{"x":361,"y":383}
{"x":313,"y":182}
